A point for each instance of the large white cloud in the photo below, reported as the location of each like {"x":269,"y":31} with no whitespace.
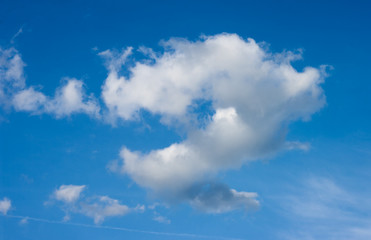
{"x":253,"y":95}
{"x":225,"y":69}
{"x":234,"y":98}
{"x":70,"y":98}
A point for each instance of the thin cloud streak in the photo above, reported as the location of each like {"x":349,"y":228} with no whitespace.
{"x":185,"y":235}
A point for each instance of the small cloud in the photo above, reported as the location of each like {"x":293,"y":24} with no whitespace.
{"x":66,"y":217}
{"x":292,"y":145}
{"x":140,"y":208}
{"x":68,"y":193}
{"x":96,"y":207}
{"x":114,"y":166}
{"x":16,"y":35}
{"x":162,"y":219}
{"x":154,"y":206}
{"x":102,"y":207}
{"x":5,"y":205}
{"x":70,"y":98}
{"x":23,"y":221}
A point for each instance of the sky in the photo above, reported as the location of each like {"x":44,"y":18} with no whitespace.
{"x":185,"y":120}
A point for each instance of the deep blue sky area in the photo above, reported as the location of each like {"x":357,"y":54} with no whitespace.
{"x":319,"y":191}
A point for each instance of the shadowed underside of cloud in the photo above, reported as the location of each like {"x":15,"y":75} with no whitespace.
{"x":219,"y":198}
{"x":254,"y":96}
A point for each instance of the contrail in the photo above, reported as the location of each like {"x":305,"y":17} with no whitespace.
{"x":17,"y":34}
{"x":184,"y":235}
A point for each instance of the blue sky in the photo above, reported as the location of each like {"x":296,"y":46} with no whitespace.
{"x":185,"y":120}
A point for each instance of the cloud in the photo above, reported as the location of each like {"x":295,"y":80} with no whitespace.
{"x":253,"y":96}
{"x":23,"y":221}
{"x":124,"y":229}
{"x":162,"y":219}
{"x":96,"y":207}
{"x":70,"y":98}
{"x":320,"y":208}
{"x":11,"y":74}
{"x":29,"y":100}
{"x":20,"y":30}
{"x":322,"y":198}
{"x":103,"y":207}
{"x":219,"y":198}
{"x":224,"y":68}
{"x":68,"y":193}
{"x":5,"y":205}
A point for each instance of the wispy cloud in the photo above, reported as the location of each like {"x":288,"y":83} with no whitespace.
{"x":161,"y":219}
{"x":17,"y":34}
{"x":178,"y":235}
{"x":320,"y":208}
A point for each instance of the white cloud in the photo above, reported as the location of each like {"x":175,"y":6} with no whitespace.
{"x":29,"y":100}
{"x":320,"y":208}
{"x":225,"y":69}
{"x":11,"y":74}
{"x":5,"y":205}
{"x":254,"y":95}
{"x":103,"y":207}
{"x":68,"y":193}
{"x":23,"y":221}
{"x":69,"y":99}
{"x":162,"y":219}
{"x":96,"y":207}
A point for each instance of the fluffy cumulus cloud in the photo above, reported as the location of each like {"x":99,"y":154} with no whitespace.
{"x":254,"y":95}
{"x":96,"y":207}
{"x":5,"y":205}
{"x":68,"y":193}
{"x":69,"y":98}
{"x":233,"y":97}
{"x":102,"y":207}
